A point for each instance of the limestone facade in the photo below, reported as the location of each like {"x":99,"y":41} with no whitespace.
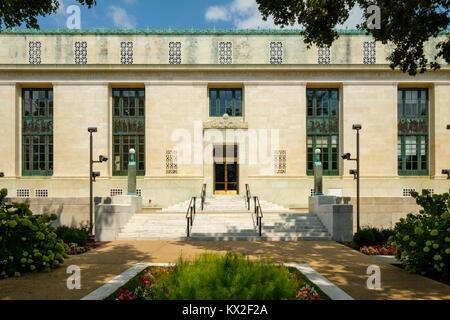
{"x":274,"y":100}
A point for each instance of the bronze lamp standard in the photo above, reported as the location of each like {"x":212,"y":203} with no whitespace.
{"x":447,"y":171}
{"x":92,"y":176}
{"x":356,"y":173}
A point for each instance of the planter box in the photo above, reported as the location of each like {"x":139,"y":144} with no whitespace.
{"x":332,"y":291}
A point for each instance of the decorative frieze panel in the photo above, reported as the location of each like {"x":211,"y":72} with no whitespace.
{"x":412,"y":126}
{"x":225,"y":52}
{"x":81,"y":52}
{"x":126,"y":53}
{"x":175,"y":52}
{"x":276,"y":53}
{"x":171,"y":162}
{"x":324,"y":55}
{"x":369,"y":52}
{"x":322,"y":126}
{"x":279,"y":162}
{"x":34,"y":52}
{"x":128,"y":125}
{"x":37,"y":126}
{"x":225,"y":122}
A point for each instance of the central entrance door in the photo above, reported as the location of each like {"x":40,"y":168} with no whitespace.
{"x":226,"y":169}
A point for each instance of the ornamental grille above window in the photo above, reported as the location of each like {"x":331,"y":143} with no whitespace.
{"x":34,"y":52}
{"x":175,"y":52}
{"x":171,"y":162}
{"x":280,"y":162}
{"x":276,"y":52}
{"x":324,"y":55}
{"x":369,"y":52}
{"x":126,"y":52}
{"x":80,"y":52}
{"x":225,"y":53}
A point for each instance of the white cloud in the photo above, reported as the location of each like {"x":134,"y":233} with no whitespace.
{"x":217,"y":13}
{"x":245,"y":15}
{"x":121,"y":18}
{"x":243,"y":6}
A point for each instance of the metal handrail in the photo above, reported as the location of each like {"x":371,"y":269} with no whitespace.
{"x":190,"y":214}
{"x":203,"y":195}
{"x":247,"y":196}
{"x":259,"y":215}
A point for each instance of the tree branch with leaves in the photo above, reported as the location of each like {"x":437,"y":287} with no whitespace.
{"x":16,"y":13}
{"x":406,"y":25}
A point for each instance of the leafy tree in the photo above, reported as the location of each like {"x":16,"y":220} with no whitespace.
{"x":14,"y":13}
{"x":407,"y":25}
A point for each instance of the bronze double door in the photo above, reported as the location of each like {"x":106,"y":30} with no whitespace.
{"x":226,"y":169}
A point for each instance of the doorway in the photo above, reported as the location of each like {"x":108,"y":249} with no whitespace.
{"x":226,"y":169}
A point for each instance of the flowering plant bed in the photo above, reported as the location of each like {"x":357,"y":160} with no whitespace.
{"x":378,"y":250}
{"x":74,"y":249}
{"x":215,"y":277}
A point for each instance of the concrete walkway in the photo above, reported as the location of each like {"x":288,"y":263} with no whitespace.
{"x":344,"y":267}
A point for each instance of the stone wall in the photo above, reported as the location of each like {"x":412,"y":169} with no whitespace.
{"x":195,"y":48}
{"x":72,"y":212}
{"x":382,"y":212}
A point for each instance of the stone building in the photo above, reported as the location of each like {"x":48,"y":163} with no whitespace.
{"x":225,"y":108}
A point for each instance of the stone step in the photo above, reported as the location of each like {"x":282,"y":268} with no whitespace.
{"x":224,"y":226}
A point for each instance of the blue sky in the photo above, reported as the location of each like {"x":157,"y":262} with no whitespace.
{"x":174,"y":14}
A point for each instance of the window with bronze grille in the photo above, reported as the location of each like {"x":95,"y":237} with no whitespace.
{"x":37,"y":132}
{"x":128,"y":129}
{"x":323,"y":129}
{"x":413,"y":142}
{"x":225,"y":101}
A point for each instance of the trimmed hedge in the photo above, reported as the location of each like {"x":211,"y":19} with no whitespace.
{"x":72,"y":235}
{"x":28,"y":243}
{"x":372,"y":236}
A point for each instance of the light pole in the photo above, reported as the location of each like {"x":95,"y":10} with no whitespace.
{"x":447,"y":171}
{"x":92,"y":176}
{"x":356,"y":172}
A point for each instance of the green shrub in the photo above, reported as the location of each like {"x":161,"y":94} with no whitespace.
{"x":228,"y":277}
{"x":371,"y":236}
{"x":28,"y":243}
{"x":387,"y":233}
{"x":364,"y":237}
{"x":72,"y":235}
{"x":423,"y":239}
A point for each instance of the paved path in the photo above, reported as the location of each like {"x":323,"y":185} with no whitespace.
{"x":344,"y":267}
